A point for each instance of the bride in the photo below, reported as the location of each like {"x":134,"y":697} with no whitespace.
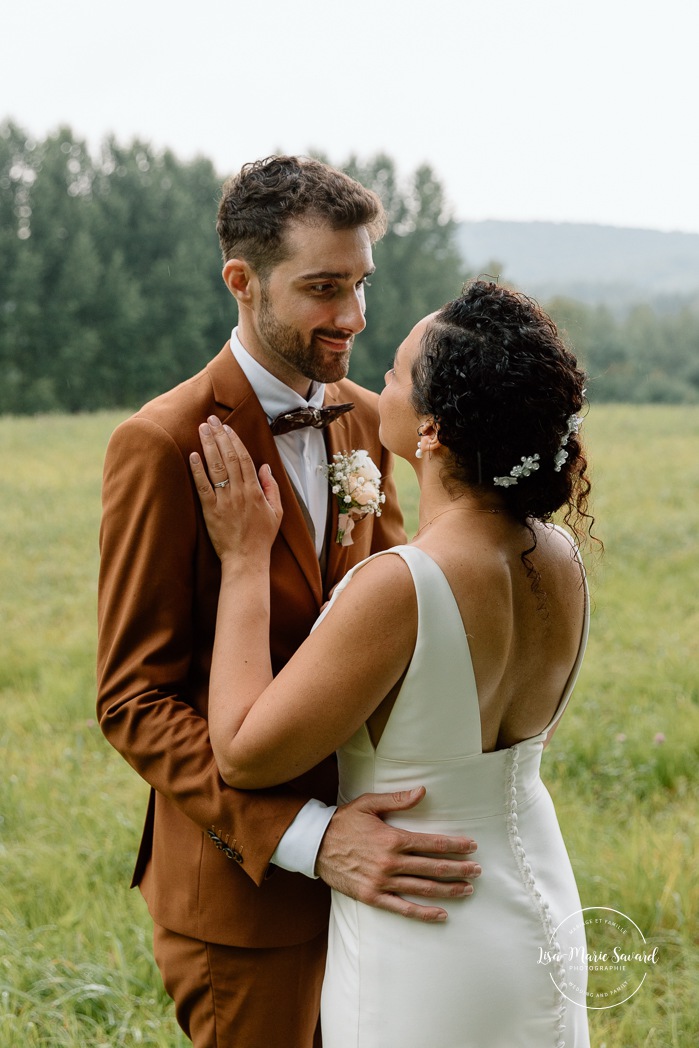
{"x":447,"y":662}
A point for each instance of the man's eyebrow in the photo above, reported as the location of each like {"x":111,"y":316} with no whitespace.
{"x":328,"y":275}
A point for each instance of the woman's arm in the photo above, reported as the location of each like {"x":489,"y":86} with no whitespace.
{"x":263,"y":730}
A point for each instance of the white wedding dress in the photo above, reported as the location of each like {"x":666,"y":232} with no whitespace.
{"x":478,"y":980}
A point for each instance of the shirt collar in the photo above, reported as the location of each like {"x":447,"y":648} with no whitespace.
{"x":273,"y":394}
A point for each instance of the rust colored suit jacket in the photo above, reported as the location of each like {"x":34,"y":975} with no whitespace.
{"x":159,"y":581}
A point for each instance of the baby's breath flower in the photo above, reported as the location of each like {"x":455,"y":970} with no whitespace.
{"x":356,"y":482}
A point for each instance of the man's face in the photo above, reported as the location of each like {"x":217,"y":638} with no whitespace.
{"x":312,"y":304}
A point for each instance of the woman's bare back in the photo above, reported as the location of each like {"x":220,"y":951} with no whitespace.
{"x":523,"y":639}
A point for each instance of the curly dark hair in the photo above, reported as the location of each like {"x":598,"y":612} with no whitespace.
{"x":501,"y":385}
{"x":258,"y":202}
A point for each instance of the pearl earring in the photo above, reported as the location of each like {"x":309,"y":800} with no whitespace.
{"x":419,"y":453}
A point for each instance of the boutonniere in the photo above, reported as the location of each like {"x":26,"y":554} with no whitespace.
{"x":356,"y":483}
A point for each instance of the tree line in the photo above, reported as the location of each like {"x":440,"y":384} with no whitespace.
{"x":111,"y":291}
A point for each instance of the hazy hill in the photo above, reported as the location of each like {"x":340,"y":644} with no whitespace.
{"x":588,"y":262}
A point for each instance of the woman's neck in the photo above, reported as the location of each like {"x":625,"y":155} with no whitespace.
{"x":437,"y":501}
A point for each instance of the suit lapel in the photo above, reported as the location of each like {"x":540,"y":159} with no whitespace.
{"x":233,"y":391}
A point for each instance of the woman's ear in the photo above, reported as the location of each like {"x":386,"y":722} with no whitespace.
{"x":429,"y":436}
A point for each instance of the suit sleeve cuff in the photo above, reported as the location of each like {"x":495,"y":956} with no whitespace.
{"x":298,"y":849}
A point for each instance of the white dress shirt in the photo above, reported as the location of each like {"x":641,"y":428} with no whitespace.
{"x":303,"y":454}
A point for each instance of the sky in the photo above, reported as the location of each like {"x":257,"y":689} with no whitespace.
{"x":526,"y":109}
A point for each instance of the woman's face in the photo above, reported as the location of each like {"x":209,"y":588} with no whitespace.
{"x":398,"y":419}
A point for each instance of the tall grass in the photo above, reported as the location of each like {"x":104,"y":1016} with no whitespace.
{"x":75,"y":959}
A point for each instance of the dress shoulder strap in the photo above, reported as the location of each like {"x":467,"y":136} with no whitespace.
{"x":436,"y":712}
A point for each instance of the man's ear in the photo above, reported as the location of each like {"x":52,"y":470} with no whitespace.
{"x":240,"y":280}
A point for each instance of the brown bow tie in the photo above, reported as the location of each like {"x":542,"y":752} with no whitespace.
{"x":319,"y":418}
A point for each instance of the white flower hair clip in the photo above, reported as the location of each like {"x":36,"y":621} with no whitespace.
{"x":355,"y":481}
{"x":573,"y":424}
{"x":529,"y":463}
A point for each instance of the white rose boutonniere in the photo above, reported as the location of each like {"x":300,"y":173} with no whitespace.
{"x":356,"y":483}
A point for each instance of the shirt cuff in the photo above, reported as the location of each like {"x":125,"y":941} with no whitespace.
{"x":298,"y":849}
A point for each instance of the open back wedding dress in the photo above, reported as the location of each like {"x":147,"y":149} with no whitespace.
{"x":493,"y":975}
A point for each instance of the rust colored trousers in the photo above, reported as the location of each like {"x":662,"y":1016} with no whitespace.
{"x":234,"y":997}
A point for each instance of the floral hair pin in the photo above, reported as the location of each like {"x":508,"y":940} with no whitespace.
{"x":573,"y":424}
{"x":529,"y":463}
{"x":356,"y":483}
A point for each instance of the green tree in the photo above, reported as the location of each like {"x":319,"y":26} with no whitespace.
{"x":20,"y":161}
{"x":596,"y":339}
{"x":158,"y":216}
{"x":418,"y":265}
{"x":644,"y":357}
{"x":50,"y":335}
{"x":110,"y":285}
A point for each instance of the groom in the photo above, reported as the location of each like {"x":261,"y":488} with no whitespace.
{"x":239,"y":930}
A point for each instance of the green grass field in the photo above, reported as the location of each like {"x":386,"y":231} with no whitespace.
{"x":75,"y":959}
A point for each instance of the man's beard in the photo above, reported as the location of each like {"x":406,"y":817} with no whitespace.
{"x":311,"y":360}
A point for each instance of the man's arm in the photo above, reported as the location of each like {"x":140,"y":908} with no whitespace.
{"x":370,"y":861}
{"x":151,"y":549}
